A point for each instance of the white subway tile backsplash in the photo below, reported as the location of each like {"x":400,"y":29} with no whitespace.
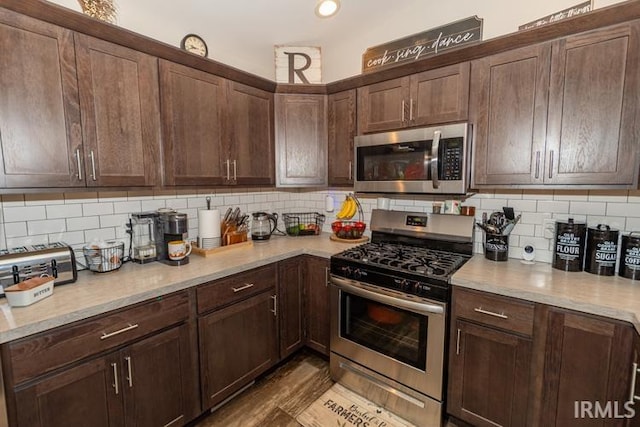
{"x":231,"y":199}
{"x":46,"y":227}
{"x":85,"y":223}
{"x":92,"y":209}
{"x":152,"y":205}
{"x":524,"y":229}
{"x":29,"y":240}
{"x":587,"y":208}
{"x":623,"y":209}
{"x":553,"y":206}
{"x":520,"y":206}
{"x":127,"y":207}
{"x":119,"y":220}
{"x":63,"y":211}
{"x":70,"y":238}
{"x":15,"y":229}
{"x":99,"y":234}
{"x":493,"y":204}
{"x":633,"y":224}
{"x":26,"y":213}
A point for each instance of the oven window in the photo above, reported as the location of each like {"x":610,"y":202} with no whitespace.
{"x":409,"y":161}
{"x":397,"y":333}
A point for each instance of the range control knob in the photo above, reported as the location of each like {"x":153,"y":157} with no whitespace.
{"x":422,"y":289}
{"x":357,"y":274}
{"x":346,"y":271}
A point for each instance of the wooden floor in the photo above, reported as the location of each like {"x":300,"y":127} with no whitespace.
{"x":277,"y":398}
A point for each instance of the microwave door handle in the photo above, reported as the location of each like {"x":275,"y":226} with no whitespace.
{"x":434,"y":159}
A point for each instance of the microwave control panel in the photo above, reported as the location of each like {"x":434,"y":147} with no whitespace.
{"x":451,"y":155}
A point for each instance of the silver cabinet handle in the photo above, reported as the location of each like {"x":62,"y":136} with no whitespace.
{"x":93,"y":166}
{"x":275,"y":305}
{"x":125,"y":329}
{"x":242,"y":288}
{"x":350,"y":170}
{"x":326,"y":276}
{"x":115,"y":377}
{"x":228,"y":163}
{"x":129,"y":375}
{"x":402,"y":110}
{"x":458,"y":342}
{"x":79,"y":164}
{"x":537,"y":164}
{"x":550,"y":164}
{"x":411,"y":109}
{"x":490,"y":313}
{"x":174,"y":421}
{"x":235,"y":171}
{"x":634,"y":375}
{"x":434,"y":159}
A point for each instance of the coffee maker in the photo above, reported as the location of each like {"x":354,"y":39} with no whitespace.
{"x":170,"y":225}
{"x":142,"y":225}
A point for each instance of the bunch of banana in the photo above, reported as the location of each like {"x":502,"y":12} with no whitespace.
{"x":349,"y":207}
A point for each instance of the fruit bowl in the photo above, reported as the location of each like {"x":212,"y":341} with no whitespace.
{"x":348,"y":229}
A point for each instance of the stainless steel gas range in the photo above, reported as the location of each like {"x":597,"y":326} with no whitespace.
{"x":389,"y":310}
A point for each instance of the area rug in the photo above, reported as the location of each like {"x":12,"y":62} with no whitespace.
{"x":340,"y":407}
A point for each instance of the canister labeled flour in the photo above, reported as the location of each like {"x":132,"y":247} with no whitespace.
{"x":630,"y":256}
{"x":568,"y":251}
{"x":602,"y":250}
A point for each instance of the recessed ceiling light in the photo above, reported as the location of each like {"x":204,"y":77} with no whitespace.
{"x":327,"y":8}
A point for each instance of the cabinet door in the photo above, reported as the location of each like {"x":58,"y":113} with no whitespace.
{"x":90,"y":391}
{"x":317,"y":303}
{"x":192,"y":105}
{"x":237,"y":344}
{"x":587,"y":359}
{"x":488,"y":376}
{"x":120,"y":114}
{"x":39,"y":108}
{"x":250,"y":127}
{"x":383,"y":106}
{"x":594,"y":108}
{"x":508,"y":108}
{"x":290,"y":306}
{"x":341,"y":131}
{"x":440,"y":95}
{"x":301,"y":140}
{"x":158,"y":380}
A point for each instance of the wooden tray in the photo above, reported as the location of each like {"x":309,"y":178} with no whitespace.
{"x":213,"y":251}
{"x":339,"y":239}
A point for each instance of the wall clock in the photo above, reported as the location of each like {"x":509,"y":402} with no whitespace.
{"x":194,"y":44}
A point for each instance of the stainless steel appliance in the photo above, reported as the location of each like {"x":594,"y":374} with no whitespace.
{"x":263,"y":225}
{"x":54,"y":259}
{"x":389,"y":305}
{"x":170,"y":226}
{"x":143,"y":240}
{"x":422,"y":160}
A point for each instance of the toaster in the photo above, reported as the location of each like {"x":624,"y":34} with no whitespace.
{"x":53,"y":259}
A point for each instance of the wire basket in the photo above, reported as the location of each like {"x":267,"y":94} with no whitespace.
{"x":303,"y":224}
{"x":104,"y":258}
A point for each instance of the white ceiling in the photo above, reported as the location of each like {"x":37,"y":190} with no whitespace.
{"x":243,"y":33}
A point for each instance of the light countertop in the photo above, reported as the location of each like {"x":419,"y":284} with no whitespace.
{"x":95,"y":293}
{"x":610,"y":296}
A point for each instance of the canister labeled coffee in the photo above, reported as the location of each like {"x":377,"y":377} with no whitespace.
{"x":602,"y":250}
{"x":568,"y":251}
{"x":630,"y":256}
{"x":496,"y":247}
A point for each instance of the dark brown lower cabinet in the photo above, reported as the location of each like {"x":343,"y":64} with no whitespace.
{"x":316,"y":274}
{"x":237,"y":343}
{"x":145,"y":384}
{"x":489,"y":376}
{"x":586,"y":375}
{"x":290,"y":306}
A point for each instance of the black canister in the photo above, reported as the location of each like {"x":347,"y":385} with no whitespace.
{"x":602,"y":250}
{"x":568,"y":250}
{"x":630,"y":256}
{"x":496,"y":247}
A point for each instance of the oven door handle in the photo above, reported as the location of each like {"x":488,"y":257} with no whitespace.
{"x":435,"y":147}
{"x":416,"y":307}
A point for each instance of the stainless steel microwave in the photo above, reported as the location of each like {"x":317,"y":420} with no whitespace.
{"x":422,"y":160}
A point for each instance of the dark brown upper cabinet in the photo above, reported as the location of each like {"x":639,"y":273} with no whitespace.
{"x":430,"y":97}
{"x":192,"y":104}
{"x":341,"y":130}
{"x":40,"y":131}
{"x":301,"y":140}
{"x":560,"y":113}
{"x":120,"y":107}
{"x":250,"y":137}
{"x":75,"y":114}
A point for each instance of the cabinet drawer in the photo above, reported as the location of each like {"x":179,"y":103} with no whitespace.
{"x":235,"y":288}
{"x":501,"y":312}
{"x":34,"y":356}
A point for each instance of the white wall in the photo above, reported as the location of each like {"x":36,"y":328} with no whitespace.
{"x":243,"y":33}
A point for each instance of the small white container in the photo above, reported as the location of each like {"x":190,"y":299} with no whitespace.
{"x":29,"y":291}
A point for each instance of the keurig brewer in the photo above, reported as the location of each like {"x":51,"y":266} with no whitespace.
{"x":171,"y":226}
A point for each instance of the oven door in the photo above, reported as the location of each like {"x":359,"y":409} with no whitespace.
{"x":422,"y":160}
{"x":396,"y":335}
